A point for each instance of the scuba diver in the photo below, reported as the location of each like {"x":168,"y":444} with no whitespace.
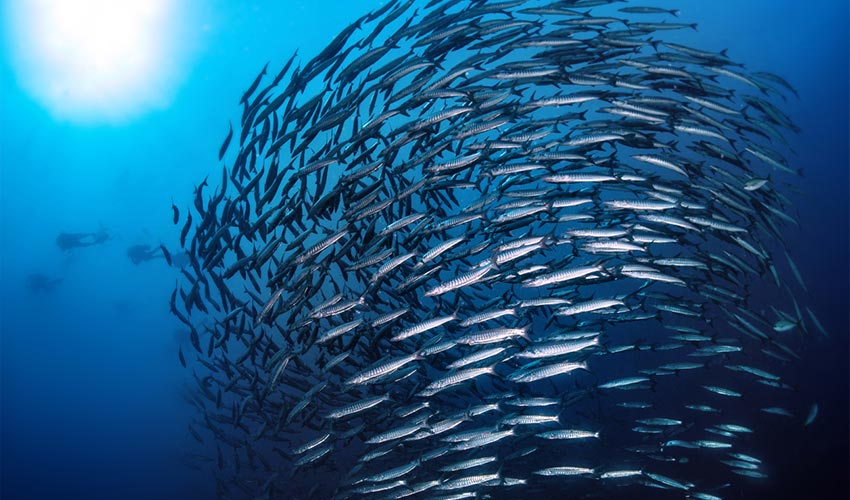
{"x":143,"y":253}
{"x":69,"y":241}
{"x":37,"y":282}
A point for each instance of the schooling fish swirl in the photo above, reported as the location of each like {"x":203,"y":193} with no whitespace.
{"x":486,"y":249}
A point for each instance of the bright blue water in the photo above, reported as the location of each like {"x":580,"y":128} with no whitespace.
{"x":90,"y":378}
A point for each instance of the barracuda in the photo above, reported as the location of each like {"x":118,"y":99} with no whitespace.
{"x":464,"y":233}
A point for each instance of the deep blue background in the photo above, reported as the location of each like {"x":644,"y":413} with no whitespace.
{"x":89,"y":373}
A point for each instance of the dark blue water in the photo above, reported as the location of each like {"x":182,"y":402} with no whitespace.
{"x":90,"y":401}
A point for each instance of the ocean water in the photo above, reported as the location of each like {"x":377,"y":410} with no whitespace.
{"x":91,"y":387}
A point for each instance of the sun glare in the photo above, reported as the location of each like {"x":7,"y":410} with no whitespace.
{"x":95,"y":60}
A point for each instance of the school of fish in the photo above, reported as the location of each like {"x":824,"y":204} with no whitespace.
{"x":495,"y":249}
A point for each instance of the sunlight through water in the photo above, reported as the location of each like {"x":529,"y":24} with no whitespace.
{"x":95,"y":60}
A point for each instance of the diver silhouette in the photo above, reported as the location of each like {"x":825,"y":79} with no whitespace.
{"x":142,"y":253}
{"x":38,"y":282}
{"x":69,"y":241}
